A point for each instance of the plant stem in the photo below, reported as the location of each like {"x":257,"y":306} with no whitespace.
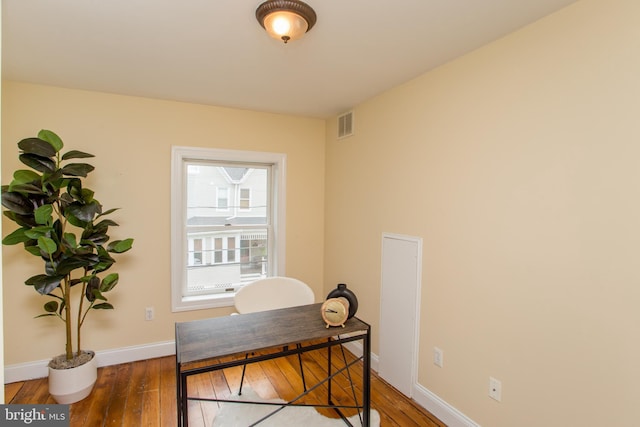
{"x":80,"y":317}
{"x":66,"y":292}
{"x":67,"y":310}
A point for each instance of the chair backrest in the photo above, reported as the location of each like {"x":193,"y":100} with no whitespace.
{"x":272,"y":293}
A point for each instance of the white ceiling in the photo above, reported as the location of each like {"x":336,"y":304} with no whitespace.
{"x":215,"y":52}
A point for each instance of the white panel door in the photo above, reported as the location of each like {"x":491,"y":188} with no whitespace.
{"x":399,"y":296}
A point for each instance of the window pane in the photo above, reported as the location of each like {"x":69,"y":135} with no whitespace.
{"x":197,"y":252}
{"x":214,"y":196}
{"x":218,"y":251}
{"x":227,"y":226}
{"x":223,"y":198}
{"x":223,"y":272}
{"x":245,"y":198}
{"x":231,"y":249}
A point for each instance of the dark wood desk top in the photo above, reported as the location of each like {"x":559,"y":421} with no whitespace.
{"x":244,"y":333}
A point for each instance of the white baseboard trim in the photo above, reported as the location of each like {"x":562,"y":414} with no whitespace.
{"x":441,"y":409}
{"x":38,"y":369}
{"x":422,"y":396}
{"x":26,"y":371}
{"x":355,"y":347}
{"x":134,"y":353}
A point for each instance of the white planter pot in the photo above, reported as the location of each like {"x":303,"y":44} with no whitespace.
{"x":72,"y":385}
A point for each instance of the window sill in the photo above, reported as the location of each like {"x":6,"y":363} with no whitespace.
{"x":203,"y":302}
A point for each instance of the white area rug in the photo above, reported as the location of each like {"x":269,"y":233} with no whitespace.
{"x":244,"y":415}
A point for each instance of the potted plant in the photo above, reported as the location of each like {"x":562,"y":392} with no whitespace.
{"x":62,"y":223}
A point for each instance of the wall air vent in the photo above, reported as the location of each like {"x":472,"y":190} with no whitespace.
{"x":345,"y":125}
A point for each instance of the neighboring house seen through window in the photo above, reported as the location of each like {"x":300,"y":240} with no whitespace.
{"x":227,"y":223}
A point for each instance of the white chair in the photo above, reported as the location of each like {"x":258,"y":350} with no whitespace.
{"x":269,"y":294}
{"x":272,"y":293}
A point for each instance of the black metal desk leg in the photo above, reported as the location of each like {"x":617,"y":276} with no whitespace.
{"x":366,"y":377}
{"x":178,"y":395}
{"x":329,"y":401}
{"x":183,"y":404}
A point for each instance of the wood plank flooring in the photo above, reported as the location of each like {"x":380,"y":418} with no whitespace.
{"x":143,"y":393}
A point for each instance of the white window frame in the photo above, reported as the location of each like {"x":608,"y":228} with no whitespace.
{"x":179,"y":261}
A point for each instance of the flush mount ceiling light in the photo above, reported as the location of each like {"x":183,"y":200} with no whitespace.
{"x":286,"y":19}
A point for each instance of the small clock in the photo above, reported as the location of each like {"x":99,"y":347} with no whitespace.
{"x":335,"y":311}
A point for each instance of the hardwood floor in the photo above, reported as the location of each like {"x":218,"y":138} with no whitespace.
{"x":143,"y":393}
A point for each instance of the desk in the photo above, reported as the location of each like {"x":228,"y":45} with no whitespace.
{"x":201,"y":340}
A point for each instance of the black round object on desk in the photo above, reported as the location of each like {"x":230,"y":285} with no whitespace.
{"x":342,"y":291}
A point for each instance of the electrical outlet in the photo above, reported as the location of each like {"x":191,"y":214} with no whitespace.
{"x":438,"y":357}
{"x":148,"y":313}
{"x":495,"y":389}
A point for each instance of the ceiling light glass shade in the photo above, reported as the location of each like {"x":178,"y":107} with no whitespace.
{"x":285,"y":25}
{"x":286,"y":19}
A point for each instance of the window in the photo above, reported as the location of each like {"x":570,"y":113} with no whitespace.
{"x":227,"y":223}
{"x":231,"y":249}
{"x":223,"y":199}
{"x":217,"y":254}
{"x":195,"y":257}
{"x":245,"y":198}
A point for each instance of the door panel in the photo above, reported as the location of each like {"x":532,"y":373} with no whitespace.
{"x":398,"y":310}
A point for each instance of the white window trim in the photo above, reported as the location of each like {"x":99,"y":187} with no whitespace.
{"x":178,"y":234}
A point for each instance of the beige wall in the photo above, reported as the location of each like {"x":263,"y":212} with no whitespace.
{"x":519,"y":166}
{"x":132,"y":139}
